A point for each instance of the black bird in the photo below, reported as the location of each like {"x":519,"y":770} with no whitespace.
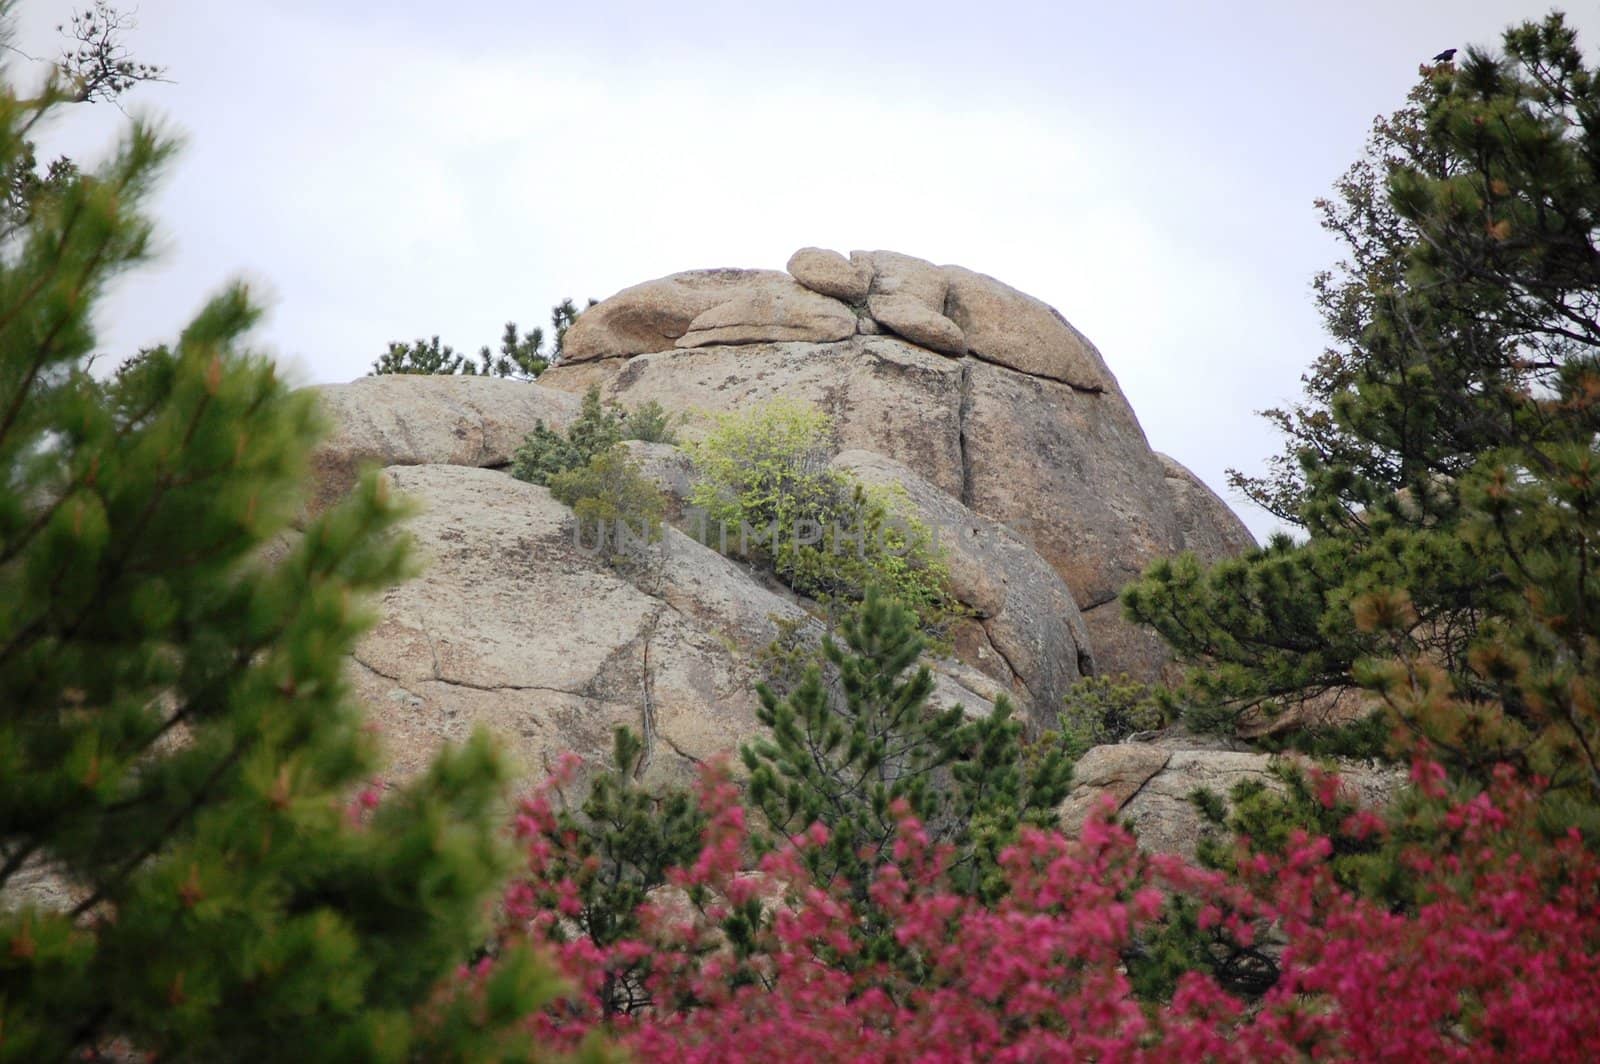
{"x":1445,"y":56}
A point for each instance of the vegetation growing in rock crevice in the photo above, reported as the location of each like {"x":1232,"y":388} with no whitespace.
{"x":764,"y":490}
{"x":614,"y":501}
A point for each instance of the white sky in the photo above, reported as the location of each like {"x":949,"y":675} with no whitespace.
{"x":383,"y":171}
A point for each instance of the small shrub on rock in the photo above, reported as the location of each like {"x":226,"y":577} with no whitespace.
{"x":765,"y":491}
{"x":613,"y":499}
{"x":1103,"y":709}
{"x":649,"y":423}
{"x":545,"y":453}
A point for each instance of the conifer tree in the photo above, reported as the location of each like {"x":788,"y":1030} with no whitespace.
{"x":522,"y":356}
{"x":178,"y":746}
{"x":843,"y":753}
{"x":1445,"y":450}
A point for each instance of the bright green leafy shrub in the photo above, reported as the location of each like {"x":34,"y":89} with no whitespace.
{"x":764,"y":490}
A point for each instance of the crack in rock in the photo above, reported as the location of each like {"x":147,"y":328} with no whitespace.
{"x":963,"y":413}
{"x":402,"y":683}
{"x":1082,"y":389}
{"x":1140,"y":789}
{"x":647,"y":714}
{"x":1016,"y":673}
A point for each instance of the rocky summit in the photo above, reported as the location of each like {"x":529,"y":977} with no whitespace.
{"x":1003,"y":424}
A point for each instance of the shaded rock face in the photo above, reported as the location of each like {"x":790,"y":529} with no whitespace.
{"x":1147,"y":786}
{"x":984,"y":392}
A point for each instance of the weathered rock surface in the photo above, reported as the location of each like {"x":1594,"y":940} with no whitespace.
{"x":1023,"y":422}
{"x":883,"y":394}
{"x":1209,"y":528}
{"x":905,"y":275}
{"x":831,"y":274}
{"x":519,"y":625}
{"x":669,"y":467}
{"x":1148,"y":786}
{"x":652,"y":316}
{"x":1011,"y":329}
{"x":1072,"y":472}
{"x":1031,"y":636}
{"x":905,"y":316}
{"x":772,"y":310}
{"x":407,"y":419}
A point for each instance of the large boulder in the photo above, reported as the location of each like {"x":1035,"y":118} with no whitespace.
{"x":1149,"y":786}
{"x":1209,"y":528}
{"x":416,"y":419}
{"x":771,"y":310}
{"x":831,"y":274}
{"x":987,"y":393}
{"x":1015,"y":330}
{"x":652,"y":316}
{"x":905,"y":316}
{"x":894,"y":274}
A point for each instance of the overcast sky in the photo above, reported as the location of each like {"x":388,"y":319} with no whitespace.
{"x":382,"y":171}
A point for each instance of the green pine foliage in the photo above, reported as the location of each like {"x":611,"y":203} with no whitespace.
{"x":649,"y":423}
{"x":1104,"y":709}
{"x":519,"y":357}
{"x":614,"y":501}
{"x":857,"y":735}
{"x":177,"y":741}
{"x":624,"y":839}
{"x":1442,"y":461}
{"x":545,"y":454}
{"x":764,"y":490}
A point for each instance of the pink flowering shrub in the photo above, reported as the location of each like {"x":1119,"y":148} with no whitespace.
{"x":1499,"y":960}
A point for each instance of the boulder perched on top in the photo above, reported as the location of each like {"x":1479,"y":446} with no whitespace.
{"x":985,"y":392}
{"x":998,"y":423}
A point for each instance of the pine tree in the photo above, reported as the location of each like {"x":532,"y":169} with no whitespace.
{"x":1445,"y":451}
{"x":844,"y":754}
{"x":520,"y":357}
{"x":598,"y":861}
{"x":178,"y":745}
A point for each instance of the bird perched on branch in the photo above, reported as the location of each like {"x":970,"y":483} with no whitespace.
{"x":1445,"y":56}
